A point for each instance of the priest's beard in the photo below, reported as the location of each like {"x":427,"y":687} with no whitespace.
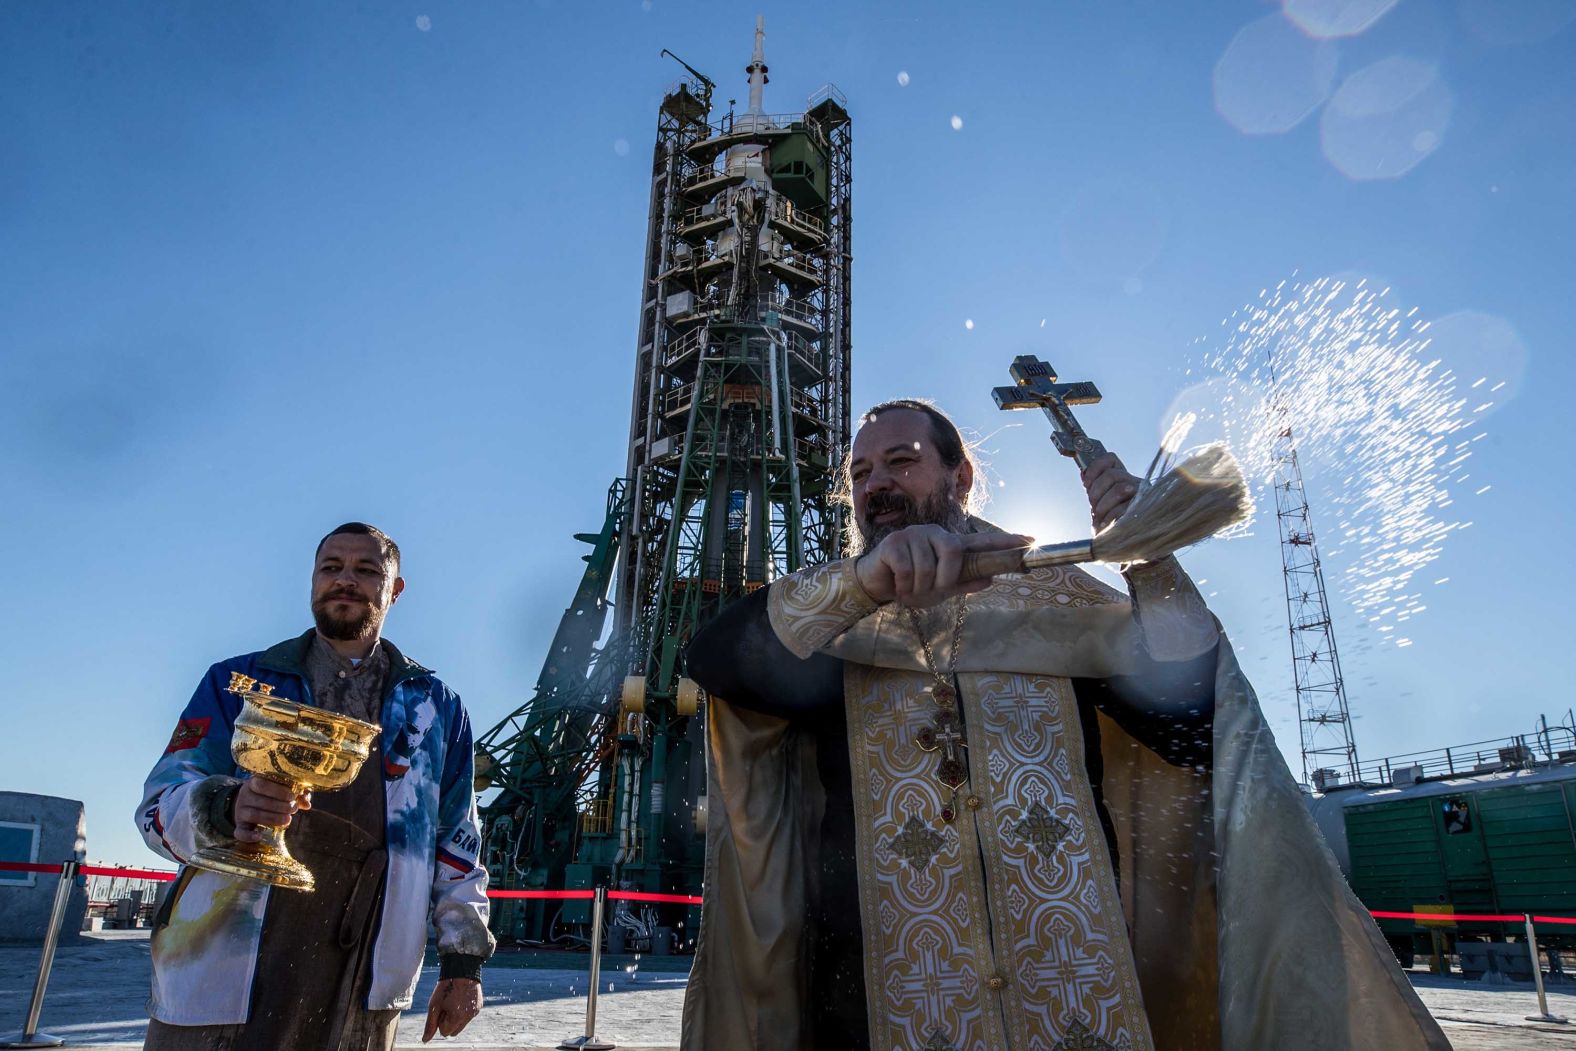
{"x":362,"y":623}
{"x":942,"y":507}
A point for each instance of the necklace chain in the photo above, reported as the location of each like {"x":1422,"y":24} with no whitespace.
{"x":945,"y":734}
{"x":957,"y":641}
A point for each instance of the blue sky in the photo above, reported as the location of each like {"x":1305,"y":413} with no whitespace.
{"x":268,"y":267}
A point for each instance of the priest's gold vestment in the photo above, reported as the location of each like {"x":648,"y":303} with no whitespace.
{"x":1005,"y":928}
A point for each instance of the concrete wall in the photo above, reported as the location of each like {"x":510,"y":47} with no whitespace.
{"x":61,"y":836}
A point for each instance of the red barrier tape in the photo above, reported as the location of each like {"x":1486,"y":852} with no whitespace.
{"x":615,"y":895}
{"x":635,"y":895}
{"x":23,"y":866}
{"x":1469,"y":917}
{"x":695,"y":899}
{"x":100,"y":870}
{"x":88,"y":870}
{"x":553,"y":895}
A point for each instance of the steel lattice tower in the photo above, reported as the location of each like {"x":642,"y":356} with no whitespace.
{"x":739,"y":424}
{"x":1328,"y":752}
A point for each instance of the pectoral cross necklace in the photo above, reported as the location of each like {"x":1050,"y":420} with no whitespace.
{"x":945,"y":734}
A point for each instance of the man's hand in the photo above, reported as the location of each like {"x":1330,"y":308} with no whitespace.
{"x":919,"y":566}
{"x":454,"y":1003}
{"x":260,"y":801}
{"x":1111,"y":488}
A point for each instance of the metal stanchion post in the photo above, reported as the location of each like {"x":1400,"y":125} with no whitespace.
{"x":1537,"y":976}
{"x":30,"y":1036}
{"x":589,"y":1042}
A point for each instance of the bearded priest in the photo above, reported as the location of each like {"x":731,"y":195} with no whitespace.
{"x":993,"y":815}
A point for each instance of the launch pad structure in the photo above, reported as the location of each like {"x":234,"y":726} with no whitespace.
{"x":739,"y":424}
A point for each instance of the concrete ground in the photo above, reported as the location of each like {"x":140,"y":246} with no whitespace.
{"x":97,"y":992}
{"x":1475,"y":1015}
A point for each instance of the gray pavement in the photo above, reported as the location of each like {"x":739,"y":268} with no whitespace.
{"x":1477,"y":1016}
{"x":96,"y":999}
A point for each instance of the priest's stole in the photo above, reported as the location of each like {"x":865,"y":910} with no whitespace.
{"x":1001,"y":928}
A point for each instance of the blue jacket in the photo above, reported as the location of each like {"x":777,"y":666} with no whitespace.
{"x":205,"y":957}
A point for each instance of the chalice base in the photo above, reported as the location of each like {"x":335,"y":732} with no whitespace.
{"x":258,"y":861}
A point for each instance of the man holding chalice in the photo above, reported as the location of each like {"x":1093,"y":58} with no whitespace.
{"x":299,"y":918}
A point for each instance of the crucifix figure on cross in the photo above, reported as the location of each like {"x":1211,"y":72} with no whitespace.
{"x":1037,"y":389}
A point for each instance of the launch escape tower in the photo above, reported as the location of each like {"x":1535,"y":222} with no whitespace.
{"x":1329,"y":754}
{"x":738,"y":425}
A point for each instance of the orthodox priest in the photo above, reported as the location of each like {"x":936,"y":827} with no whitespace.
{"x":994,"y":815}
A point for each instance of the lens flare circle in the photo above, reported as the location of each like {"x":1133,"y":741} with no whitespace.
{"x":1271,"y":78}
{"x":1486,"y":354}
{"x":1506,"y":24}
{"x":1328,"y":19}
{"x":1204,"y":406}
{"x":1386,"y":118}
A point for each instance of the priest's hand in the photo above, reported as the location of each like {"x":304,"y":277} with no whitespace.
{"x":1111,"y":488}
{"x":454,"y":1003}
{"x":920,"y":565}
{"x":260,"y":801}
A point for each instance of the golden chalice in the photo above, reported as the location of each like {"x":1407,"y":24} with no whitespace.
{"x":296,"y":745}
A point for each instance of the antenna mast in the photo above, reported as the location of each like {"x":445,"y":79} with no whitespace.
{"x":1329,"y":754}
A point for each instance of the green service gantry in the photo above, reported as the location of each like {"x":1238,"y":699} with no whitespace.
{"x":739,"y":425}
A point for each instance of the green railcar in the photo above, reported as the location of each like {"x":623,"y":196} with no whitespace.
{"x":1502,"y":842}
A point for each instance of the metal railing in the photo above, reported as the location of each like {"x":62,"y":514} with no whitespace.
{"x":799,"y":345}
{"x":811,"y":450}
{"x":783,"y":306}
{"x":808,"y":262}
{"x":805,"y":350}
{"x":109,"y":889}
{"x":828,"y":91}
{"x":783,"y":211}
{"x":695,"y":260}
{"x":688,"y":343}
{"x":756,"y":309}
{"x":702,"y":213}
{"x":803,"y":403}
{"x":730,"y":121}
{"x":708,"y":174}
{"x":677,"y":401}
{"x":597,"y":819}
{"x":122,"y":901}
{"x":690,"y":84}
{"x":1523,"y":751}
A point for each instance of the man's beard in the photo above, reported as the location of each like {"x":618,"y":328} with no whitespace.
{"x":941,"y":508}
{"x":358,"y":625}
